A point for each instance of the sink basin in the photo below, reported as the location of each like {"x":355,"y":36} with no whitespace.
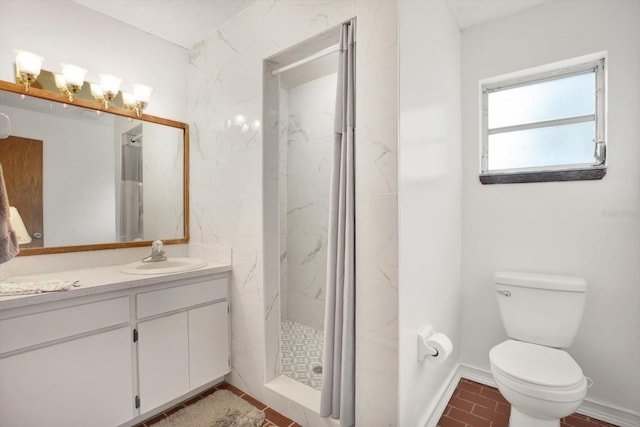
{"x":171,"y":265}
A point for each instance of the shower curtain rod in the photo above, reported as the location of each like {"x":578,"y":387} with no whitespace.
{"x":313,"y":57}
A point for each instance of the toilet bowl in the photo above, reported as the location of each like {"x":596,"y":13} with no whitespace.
{"x":541,"y":315}
{"x":542,"y":384}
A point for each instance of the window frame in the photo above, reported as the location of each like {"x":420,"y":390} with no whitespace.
{"x":570,"y":172}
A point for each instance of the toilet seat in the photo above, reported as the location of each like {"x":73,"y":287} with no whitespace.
{"x":538,"y":371}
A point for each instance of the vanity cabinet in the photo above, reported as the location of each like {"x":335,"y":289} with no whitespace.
{"x":163,"y":357}
{"x":59,"y":369}
{"x":104,"y":360}
{"x":181,"y":352}
{"x":182,"y":338}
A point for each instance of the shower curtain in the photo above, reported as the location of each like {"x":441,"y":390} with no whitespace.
{"x":338,"y":377}
{"x":131,"y":209}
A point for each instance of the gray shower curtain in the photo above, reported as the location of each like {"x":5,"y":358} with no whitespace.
{"x":131,"y":202}
{"x":338,"y":377}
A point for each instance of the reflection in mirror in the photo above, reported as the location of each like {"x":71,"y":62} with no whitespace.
{"x":87,"y":179}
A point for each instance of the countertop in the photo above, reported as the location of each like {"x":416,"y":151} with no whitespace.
{"x":99,"y":280}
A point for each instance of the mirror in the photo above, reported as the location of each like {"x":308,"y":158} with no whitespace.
{"x":84,"y":177}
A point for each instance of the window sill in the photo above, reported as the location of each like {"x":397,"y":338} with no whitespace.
{"x":591,"y":173}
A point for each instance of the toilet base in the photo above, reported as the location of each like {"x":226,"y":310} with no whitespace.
{"x":520,"y":419}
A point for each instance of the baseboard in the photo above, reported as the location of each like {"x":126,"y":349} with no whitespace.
{"x":614,"y":415}
{"x":590,"y":408}
{"x":445,"y":395}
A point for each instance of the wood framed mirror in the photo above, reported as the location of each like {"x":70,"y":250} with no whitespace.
{"x":84,"y":177}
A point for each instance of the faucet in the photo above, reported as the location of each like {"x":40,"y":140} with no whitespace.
{"x":157,"y":253}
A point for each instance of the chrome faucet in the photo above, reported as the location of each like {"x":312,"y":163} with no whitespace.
{"x":157,"y":252}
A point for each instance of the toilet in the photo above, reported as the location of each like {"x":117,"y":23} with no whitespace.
{"x":541,"y":315}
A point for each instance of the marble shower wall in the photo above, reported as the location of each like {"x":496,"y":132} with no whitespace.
{"x":308,"y":164}
{"x":225,"y":77}
{"x":283,"y":137}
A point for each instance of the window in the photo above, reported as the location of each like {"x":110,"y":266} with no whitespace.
{"x":544,"y":127}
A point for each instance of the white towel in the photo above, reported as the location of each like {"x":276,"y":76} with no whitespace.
{"x":36,"y":286}
{"x":8,"y":239}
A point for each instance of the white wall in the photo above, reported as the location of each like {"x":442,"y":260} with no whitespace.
{"x":225,"y":79}
{"x":588,"y":229}
{"x":429,"y":191}
{"x":310,"y":148}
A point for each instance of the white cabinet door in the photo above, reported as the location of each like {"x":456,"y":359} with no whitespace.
{"x":163,"y":360}
{"x":83,"y":382}
{"x":208,"y":343}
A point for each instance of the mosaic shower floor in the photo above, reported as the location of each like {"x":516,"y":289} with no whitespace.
{"x":301,"y":348}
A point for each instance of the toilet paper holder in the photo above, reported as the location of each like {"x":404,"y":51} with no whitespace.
{"x":424,"y":348}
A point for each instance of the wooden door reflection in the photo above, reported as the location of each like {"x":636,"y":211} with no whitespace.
{"x":21,"y":160}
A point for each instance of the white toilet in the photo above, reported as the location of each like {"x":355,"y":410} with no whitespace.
{"x":541,"y":315}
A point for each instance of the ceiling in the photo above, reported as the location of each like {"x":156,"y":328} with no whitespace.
{"x":468,"y":13}
{"x":182,"y":22}
{"x":187,"y":22}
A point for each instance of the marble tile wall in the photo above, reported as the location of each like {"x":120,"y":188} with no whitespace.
{"x":376,"y":213}
{"x":225,"y":78}
{"x":283,"y":137}
{"x":308,"y":163}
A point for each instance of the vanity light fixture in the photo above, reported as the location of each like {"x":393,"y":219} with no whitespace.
{"x":71,"y":82}
{"x":74,"y":79}
{"x":141,"y":95}
{"x":61,"y":84}
{"x":28,"y":67}
{"x":110,"y":87}
{"x":96,"y":92}
{"x":129,"y":101}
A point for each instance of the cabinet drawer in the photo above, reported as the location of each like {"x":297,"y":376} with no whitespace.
{"x":39,"y":328}
{"x":179,"y":297}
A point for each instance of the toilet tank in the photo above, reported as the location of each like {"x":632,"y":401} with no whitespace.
{"x":539,"y":308}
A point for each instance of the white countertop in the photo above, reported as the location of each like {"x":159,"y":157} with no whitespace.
{"x":100,"y":280}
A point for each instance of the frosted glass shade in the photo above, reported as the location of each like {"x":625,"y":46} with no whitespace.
{"x":142,"y":93}
{"x":73,"y":75}
{"x":60,"y":82}
{"x":110,"y":83}
{"x":28,"y":62}
{"x":128,"y":99}
{"x":96,"y":90}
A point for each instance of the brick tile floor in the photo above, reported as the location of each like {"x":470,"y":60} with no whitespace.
{"x":478,"y":405}
{"x":472,"y":405}
{"x":273,"y":418}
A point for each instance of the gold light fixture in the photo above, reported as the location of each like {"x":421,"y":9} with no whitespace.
{"x":110,"y":87}
{"x":142,"y":95}
{"x":129,"y":101}
{"x":61,"y":84}
{"x":73,"y":78}
{"x":28,"y":66}
{"x":71,"y":82}
{"x":96,"y":92}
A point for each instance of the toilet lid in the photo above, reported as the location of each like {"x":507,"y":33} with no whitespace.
{"x":536,"y":364}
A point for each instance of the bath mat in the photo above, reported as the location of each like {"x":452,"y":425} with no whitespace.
{"x":220,"y":409}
